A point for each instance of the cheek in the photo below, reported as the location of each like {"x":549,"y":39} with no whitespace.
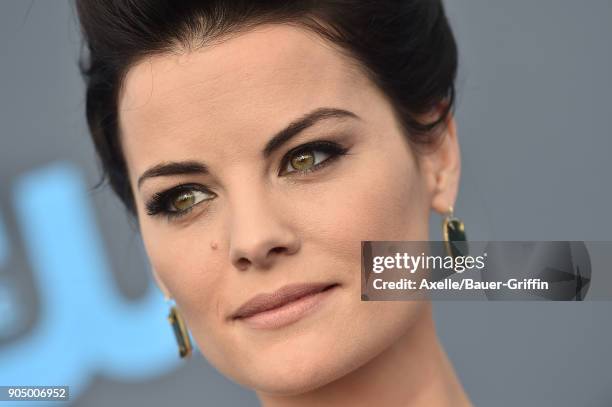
{"x":384,"y":202}
{"x":187,"y":267}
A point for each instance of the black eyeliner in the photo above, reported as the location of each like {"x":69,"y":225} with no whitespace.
{"x":160,"y":201}
{"x":334,"y":149}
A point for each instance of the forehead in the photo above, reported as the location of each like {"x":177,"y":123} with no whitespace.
{"x":238,"y":91}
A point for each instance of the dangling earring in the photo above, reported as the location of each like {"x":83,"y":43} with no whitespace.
{"x":453,"y":231}
{"x":180,"y":332}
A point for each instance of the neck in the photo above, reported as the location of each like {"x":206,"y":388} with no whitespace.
{"x":415,"y":371}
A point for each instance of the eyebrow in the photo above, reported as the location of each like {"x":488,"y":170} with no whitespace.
{"x":293,"y":129}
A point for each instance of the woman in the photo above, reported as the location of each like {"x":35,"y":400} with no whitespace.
{"x":257,"y":144}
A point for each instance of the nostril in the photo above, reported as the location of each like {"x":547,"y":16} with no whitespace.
{"x":278,"y":250}
{"x":242,"y":263}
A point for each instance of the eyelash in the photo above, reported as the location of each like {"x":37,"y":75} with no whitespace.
{"x":160,"y":201}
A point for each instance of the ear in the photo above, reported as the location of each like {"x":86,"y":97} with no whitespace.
{"x":160,"y":284}
{"x":442,"y":168}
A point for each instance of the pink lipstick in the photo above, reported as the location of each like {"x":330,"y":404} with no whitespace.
{"x":284,"y":306}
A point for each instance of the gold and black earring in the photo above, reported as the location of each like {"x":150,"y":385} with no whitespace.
{"x":453,"y":231}
{"x":180,"y":332}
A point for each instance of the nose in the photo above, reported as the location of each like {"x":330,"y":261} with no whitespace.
{"x":260,"y":235}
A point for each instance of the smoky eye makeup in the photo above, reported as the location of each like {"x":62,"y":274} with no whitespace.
{"x":302,"y":160}
{"x":310,"y":157}
{"x":179,"y":200}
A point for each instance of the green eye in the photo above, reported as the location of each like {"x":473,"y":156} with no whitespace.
{"x":178,"y":201}
{"x":187,"y":199}
{"x":306,"y":160}
{"x":303,"y":161}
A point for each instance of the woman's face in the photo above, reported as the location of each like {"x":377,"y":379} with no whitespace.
{"x":262,"y":216}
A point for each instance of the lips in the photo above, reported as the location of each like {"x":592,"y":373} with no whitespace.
{"x":285,"y":295}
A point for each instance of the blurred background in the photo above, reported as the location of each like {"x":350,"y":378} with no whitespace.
{"x":78,"y":306}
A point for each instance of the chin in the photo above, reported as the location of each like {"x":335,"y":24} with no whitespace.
{"x":294,"y":362}
{"x":296,"y":372}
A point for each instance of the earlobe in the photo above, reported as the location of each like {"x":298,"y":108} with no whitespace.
{"x":445,"y":166}
{"x":160,"y":284}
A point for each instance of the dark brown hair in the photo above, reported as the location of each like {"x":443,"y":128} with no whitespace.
{"x":405,"y":46}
